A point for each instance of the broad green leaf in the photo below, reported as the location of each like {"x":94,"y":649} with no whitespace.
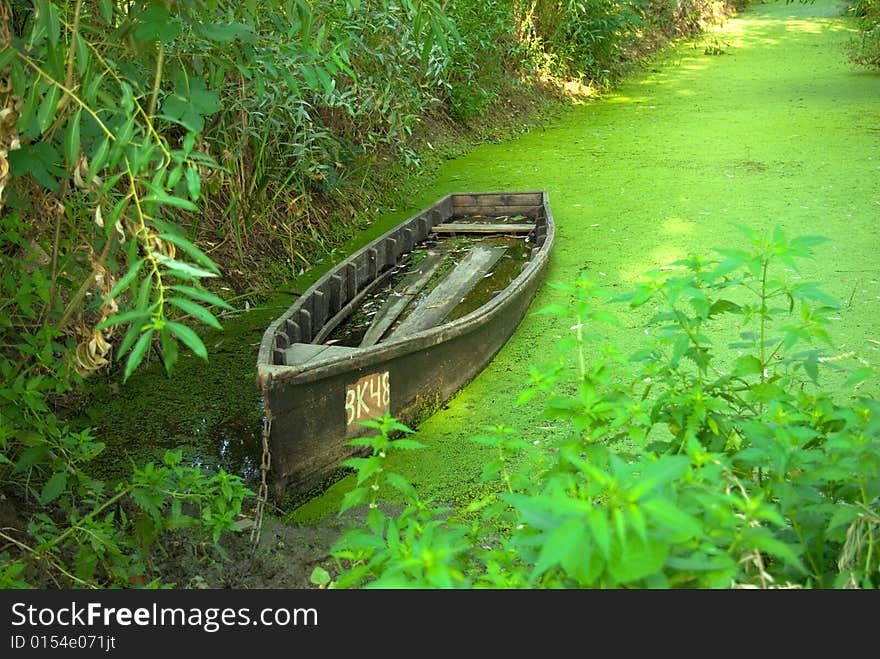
{"x":353,"y":463}
{"x":93,"y":87}
{"x":203,"y":100}
{"x":184,"y":270}
{"x":641,"y":295}
{"x":564,"y":540}
{"x":844,"y":515}
{"x":193,"y":183}
{"x":761,"y":539}
{"x":174,"y":176}
{"x":48,"y":17}
{"x":53,"y":487}
{"x":367,"y":467}
{"x":326,"y":81}
{"x":106,"y":9}
{"x":40,"y":159}
{"x":195,"y":310}
{"x":666,"y":514}
{"x":319,"y":576}
{"x":32,"y":456}
{"x":203,"y":295}
{"x":125,"y":317}
{"x":402,"y":485}
{"x":191,"y":250}
{"x":747,"y":365}
{"x":126,"y":280}
{"x":638,"y":560}
{"x":407,"y":444}
{"x":353,"y":498}
{"x":82,"y":54}
{"x":123,"y":136}
{"x":156,"y":24}
{"x":491,"y":470}
{"x":71,"y":139}
{"x":169,"y":349}
{"x":137,"y":353}
{"x":723,"y":306}
{"x":168,"y":200}
{"x":601,"y":531}
{"x":28,"y":110}
{"x":46,"y":113}
{"x":376,"y":521}
{"x":177,"y":109}
{"x":637,"y":521}
{"x":308,"y":72}
{"x":698,"y":562}
{"x":99,"y":157}
{"x":145,"y":289}
{"x":115,"y":213}
{"x":659,"y":473}
{"x":6,"y":56}
{"x":128,"y":340}
{"x":189,"y":337}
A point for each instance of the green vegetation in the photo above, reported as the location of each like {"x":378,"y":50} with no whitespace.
{"x":162,"y":162}
{"x":704,"y":466}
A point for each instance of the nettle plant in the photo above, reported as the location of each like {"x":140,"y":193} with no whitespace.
{"x":695,"y":463}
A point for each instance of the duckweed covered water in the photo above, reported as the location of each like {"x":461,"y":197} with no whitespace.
{"x":771,"y":127}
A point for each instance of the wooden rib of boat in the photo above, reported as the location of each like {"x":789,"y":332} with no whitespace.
{"x":416,"y":352}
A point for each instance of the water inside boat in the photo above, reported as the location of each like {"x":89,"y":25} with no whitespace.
{"x":449,"y":275}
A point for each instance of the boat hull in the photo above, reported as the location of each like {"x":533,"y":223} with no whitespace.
{"x":314,"y":409}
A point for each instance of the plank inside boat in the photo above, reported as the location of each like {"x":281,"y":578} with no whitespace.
{"x":401,"y":296}
{"x":439,"y":302}
{"x":303,"y":353}
{"x":483,"y":227}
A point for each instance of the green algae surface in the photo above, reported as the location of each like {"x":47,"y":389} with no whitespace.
{"x":761,"y":122}
{"x":211,"y":410}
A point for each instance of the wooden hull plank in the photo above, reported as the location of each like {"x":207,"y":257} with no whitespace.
{"x":303,"y":353}
{"x":437,"y":305}
{"x":401,"y":296}
{"x":482,"y":227}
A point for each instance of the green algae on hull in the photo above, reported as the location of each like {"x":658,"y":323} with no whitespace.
{"x":779,"y":130}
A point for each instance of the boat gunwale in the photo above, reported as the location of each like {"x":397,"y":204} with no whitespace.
{"x":268,"y":372}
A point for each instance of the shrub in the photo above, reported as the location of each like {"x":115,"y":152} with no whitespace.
{"x":703,"y":467}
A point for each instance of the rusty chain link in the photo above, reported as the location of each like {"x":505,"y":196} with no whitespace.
{"x":265,"y":465}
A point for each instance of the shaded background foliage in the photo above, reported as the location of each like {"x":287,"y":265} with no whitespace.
{"x":865,"y":48}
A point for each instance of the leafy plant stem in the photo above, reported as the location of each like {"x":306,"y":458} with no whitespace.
{"x":157,"y":81}
{"x":74,"y":31}
{"x":763,"y":323}
{"x":75,"y":302}
{"x":48,"y":558}
{"x":89,"y":516}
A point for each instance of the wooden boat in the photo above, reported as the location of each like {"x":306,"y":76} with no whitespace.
{"x":316,"y":391}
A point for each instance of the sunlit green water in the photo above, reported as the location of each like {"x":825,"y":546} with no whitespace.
{"x":777,"y":130}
